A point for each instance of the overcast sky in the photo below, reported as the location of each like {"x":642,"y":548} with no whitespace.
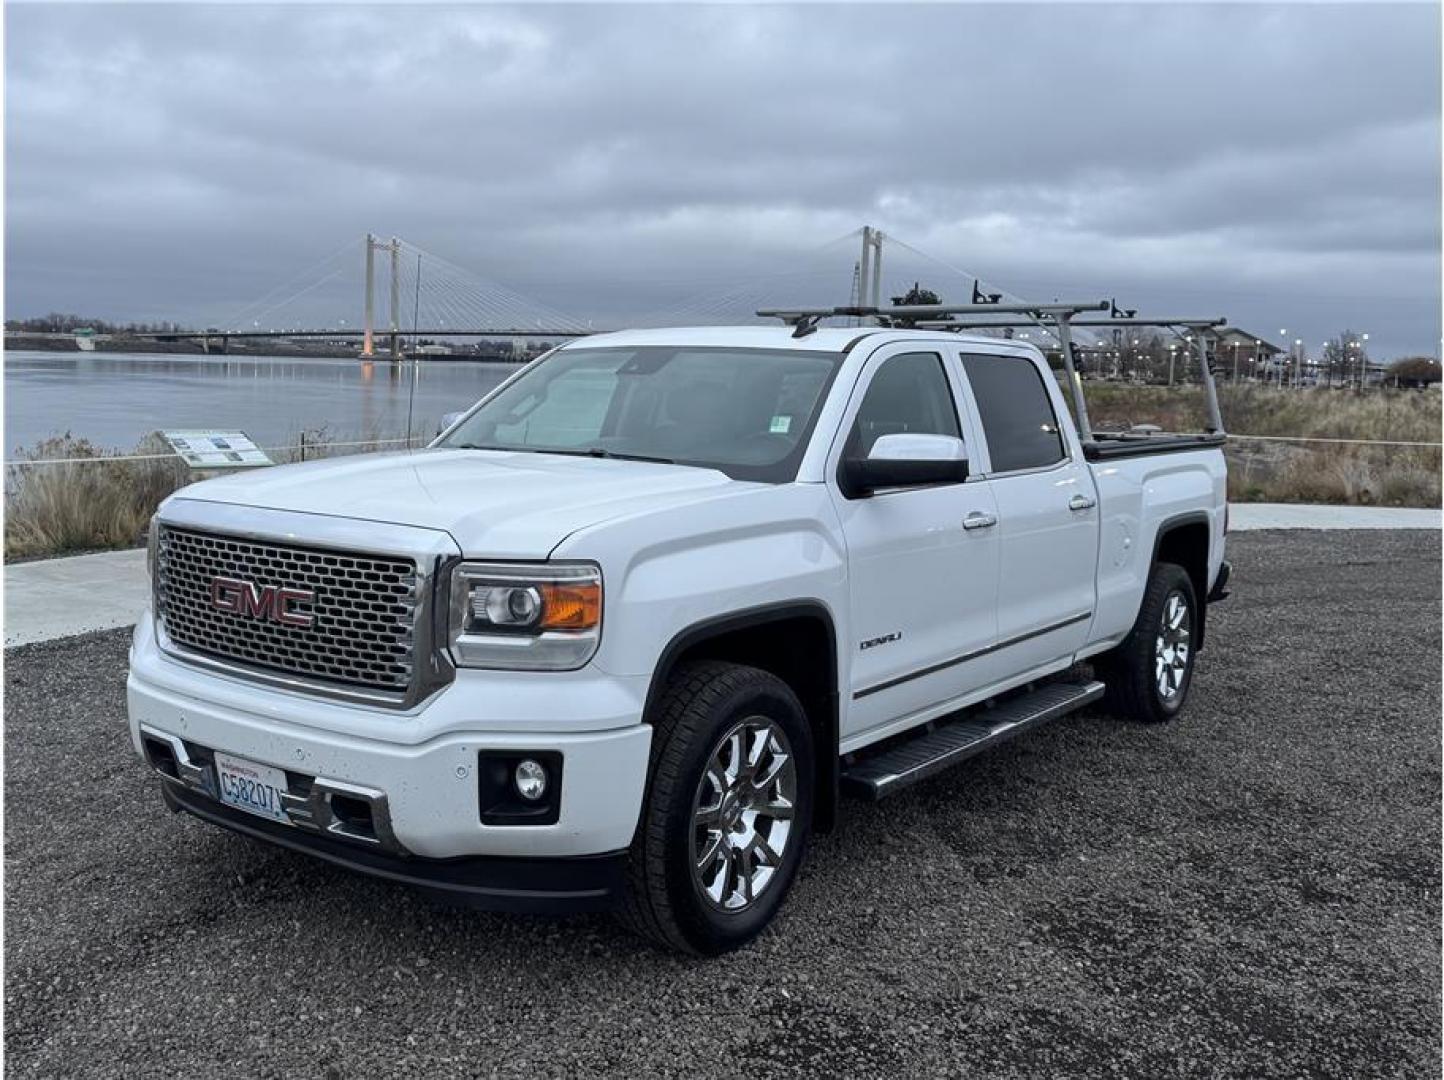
{"x":1280,"y":165}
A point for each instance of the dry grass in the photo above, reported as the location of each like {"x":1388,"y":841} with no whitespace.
{"x":88,"y":504}
{"x":1300,"y":472}
{"x":1252,"y":409}
{"x":95,"y":502}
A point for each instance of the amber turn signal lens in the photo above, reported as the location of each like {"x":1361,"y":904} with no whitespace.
{"x":571,"y":607}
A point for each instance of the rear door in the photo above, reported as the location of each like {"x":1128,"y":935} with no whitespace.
{"x":922,"y":583}
{"x":1047,"y":511}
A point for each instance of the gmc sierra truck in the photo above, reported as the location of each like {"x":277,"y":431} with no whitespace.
{"x":626,"y":631}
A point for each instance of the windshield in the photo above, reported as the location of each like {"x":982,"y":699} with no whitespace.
{"x":746,"y":412}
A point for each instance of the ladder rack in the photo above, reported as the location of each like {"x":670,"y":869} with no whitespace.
{"x":1059,"y":319}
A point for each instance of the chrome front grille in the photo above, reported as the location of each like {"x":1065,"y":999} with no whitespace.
{"x":362,"y":626}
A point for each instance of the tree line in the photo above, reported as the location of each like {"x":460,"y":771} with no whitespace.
{"x":59,"y":323}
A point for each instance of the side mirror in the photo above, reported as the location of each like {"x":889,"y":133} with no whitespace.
{"x":905,"y":461}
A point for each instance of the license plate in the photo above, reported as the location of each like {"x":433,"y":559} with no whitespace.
{"x":251,"y":787}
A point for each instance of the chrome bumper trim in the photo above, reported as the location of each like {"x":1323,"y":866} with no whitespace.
{"x":312,"y":811}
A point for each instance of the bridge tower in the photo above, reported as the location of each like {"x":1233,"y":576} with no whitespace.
{"x":367,"y":344}
{"x":395,"y":248}
{"x":870,"y":285}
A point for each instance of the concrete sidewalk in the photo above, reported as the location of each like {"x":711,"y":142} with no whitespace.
{"x":55,"y":598}
{"x":1300,"y":516}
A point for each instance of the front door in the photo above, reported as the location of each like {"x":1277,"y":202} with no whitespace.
{"x":922,"y":561}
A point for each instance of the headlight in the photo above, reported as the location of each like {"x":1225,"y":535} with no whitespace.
{"x":525,"y":616}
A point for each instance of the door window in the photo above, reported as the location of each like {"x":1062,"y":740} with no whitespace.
{"x":909,"y":393}
{"x":1018,"y":418}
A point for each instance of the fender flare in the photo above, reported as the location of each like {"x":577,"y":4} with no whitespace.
{"x":1168,"y":525}
{"x":826,"y":727}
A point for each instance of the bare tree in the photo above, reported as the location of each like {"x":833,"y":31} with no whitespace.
{"x":1346,"y":356}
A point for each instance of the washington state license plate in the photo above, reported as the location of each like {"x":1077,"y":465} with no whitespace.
{"x":252,"y":787}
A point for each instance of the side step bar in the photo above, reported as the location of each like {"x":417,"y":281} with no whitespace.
{"x":905,"y":764}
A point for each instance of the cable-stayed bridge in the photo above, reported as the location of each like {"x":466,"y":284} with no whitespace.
{"x":406,"y":293}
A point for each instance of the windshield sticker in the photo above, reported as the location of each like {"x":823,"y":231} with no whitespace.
{"x":781,"y":425}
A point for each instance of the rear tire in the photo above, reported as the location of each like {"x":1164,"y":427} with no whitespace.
{"x":727,"y":811}
{"x":1149,"y":674}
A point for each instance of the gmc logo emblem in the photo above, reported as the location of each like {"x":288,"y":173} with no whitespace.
{"x":272,"y":602}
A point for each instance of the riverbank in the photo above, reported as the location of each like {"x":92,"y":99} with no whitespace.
{"x":66,"y":496}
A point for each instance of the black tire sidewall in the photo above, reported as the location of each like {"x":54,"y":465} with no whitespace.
{"x":708,"y":929}
{"x":1168,"y":579}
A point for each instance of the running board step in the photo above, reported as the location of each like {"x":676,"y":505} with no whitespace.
{"x":957,"y":740}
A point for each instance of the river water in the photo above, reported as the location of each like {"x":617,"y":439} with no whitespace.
{"x":116,"y":399}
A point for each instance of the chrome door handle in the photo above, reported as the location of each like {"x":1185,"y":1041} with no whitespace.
{"x":1082,"y":502}
{"x":979,"y":520}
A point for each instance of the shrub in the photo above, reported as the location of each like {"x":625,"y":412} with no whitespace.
{"x":80,"y":505}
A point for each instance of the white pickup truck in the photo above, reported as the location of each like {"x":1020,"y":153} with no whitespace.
{"x":623,"y":635}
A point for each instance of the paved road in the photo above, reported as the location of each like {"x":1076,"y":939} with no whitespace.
{"x":1253,"y":891}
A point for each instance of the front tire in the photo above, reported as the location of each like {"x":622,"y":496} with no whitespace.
{"x":1149,"y":674}
{"x":727,"y":812}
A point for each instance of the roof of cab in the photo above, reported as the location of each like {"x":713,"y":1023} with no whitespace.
{"x":823,"y":339}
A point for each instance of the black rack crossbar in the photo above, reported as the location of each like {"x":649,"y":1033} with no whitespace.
{"x":1092,"y":324}
{"x":913,"y":312}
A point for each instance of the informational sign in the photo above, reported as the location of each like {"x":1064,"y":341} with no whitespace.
{"x":216,"y":449}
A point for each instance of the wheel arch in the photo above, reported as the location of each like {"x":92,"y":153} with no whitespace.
{"x":1184,"y":540}
{"x":784,"y":639}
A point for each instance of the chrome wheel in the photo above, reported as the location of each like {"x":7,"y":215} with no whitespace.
{"x":1171,"y":647}
{"x":742,"y":814}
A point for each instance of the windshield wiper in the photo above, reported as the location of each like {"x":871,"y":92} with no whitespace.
{"x":598,"y":452}
{"x":585,"y":451}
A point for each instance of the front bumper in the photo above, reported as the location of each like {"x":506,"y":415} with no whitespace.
{"x":420,"y":768}
{"x":536,"y":886}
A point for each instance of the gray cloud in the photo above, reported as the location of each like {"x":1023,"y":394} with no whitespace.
{"x":1278,"y":164}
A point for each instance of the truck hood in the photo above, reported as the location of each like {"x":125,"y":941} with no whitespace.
{"x":494,"y":504}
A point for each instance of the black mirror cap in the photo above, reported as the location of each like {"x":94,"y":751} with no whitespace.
{"x":860,"y":477}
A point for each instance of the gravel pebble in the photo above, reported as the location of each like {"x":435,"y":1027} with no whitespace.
{"x":1252,"y":891}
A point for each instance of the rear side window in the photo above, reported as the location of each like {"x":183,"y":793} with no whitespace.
{"x":1018,"y":419}
{"x":908,"y":394}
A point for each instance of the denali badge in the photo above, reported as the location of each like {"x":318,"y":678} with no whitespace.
{"x":885,"y":639}
{"x":272,"y":602}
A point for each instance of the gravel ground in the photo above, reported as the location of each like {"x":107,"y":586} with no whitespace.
{"x":1253,"y":891}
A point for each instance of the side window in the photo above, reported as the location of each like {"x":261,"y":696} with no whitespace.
{"x":909,"y":393}
{"x":1018,"y":419}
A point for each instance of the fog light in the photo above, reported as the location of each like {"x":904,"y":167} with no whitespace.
{"x":531,"y":779}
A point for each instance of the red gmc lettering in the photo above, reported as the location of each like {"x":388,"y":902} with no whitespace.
{"x":270,"y":602}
